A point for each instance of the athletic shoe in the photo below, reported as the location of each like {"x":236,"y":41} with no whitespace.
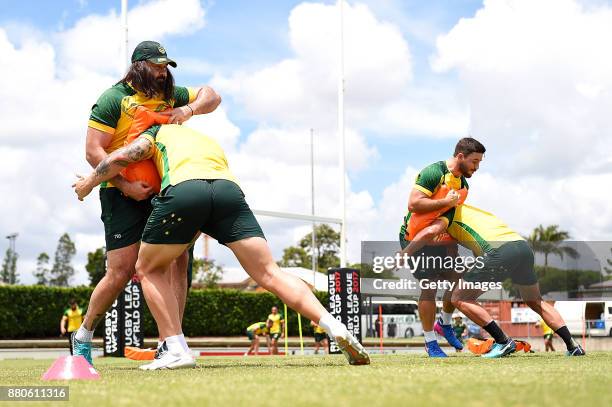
{"x":434,"y":351}
{"x":169,"y":360}
{"x":159,"y":353}
{"x":499,"y":350}
{"x":577,"y":351}
{"x":161,"y":350}
{"x":81,"y":348}
{"x":352,"y":349}
{"x":449,"y":334}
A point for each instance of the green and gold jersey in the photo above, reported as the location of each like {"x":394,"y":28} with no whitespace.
{"x":478,"y":230}
{"x":75,"y":318}
{"x":114,"y":111}
{"x":430,"y":179}
{"x":276,"y":323}
{"x":258,"y":328}
{"x":183,"y":154}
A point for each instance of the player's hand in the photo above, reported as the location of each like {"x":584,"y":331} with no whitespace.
{"x":452,"y":198}
{"x":178,"y":115}
{"x":137,"y":190}
{"x":82,"y":187}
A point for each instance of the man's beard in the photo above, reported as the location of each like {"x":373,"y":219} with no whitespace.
{"x":160,"y":84}
{"x":464,"y":170}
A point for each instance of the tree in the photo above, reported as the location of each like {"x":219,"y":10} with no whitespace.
{"x":42,"y":269}
{"x":547,"y":240}
{"x":207,"y":273}
{"x":326,"y":250}
{"x":62,"y":269}
{"x":96,"y":265}
{"x":8,"y":274}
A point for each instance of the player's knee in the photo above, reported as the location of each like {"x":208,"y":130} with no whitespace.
{"x":118,"y":276}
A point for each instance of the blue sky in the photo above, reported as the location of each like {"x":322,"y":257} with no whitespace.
{"x":420,"y":74}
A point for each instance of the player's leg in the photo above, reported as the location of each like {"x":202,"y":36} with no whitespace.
{"x":533,"y":298}
{"x":152,"y":267}
{"x":465,"y":301}
{"x":444,"y":323}
{"x":255,"y":257}
{"x":256,"y":347}
{"x":124,"y":220}
{"x":120,"y":269}
{"x":178,"y":280}
{"x":235,"y":226}
{"x":524,"y":277}
{"x":427,"y":314}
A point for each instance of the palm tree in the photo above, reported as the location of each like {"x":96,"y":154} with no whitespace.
{"x":547,"y":240}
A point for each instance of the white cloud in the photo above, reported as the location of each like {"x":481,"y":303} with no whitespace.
{"x":302,"y":90}
{"x":538,"y":78}
{"x":93,"y":44}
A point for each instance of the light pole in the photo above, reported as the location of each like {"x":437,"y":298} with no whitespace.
{"x":12,"y":237}
{"x":312,"y":211}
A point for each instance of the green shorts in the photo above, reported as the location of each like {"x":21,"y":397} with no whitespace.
{"x":433,"y":252}
{"x":215,"y":207}
{"x":250,"y":335}
{"x":124,"y":218}
{"x":548,"y":337}
{"x":319,"y":337}
{"x":512,"y":260}
{"x":275,"y":336}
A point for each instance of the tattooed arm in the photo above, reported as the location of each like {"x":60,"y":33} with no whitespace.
{"x":138,"y":150}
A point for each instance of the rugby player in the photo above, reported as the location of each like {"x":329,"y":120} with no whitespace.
{"x":276,"y":322}
{"x":452,"y":174}
{"x":253,"y":332}
{"x":126,"y":205}
{"x":504,"y":254}
{"x":200,"y":194}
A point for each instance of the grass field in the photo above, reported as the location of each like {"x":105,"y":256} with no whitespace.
{"x":463,"y":380}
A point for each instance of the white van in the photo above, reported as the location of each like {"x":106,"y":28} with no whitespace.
{"x":591,"y":317}
{"x":403,"y":313}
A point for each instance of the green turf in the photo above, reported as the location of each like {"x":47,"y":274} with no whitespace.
{"x":464,"y":380}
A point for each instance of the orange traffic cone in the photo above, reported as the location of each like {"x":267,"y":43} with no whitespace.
{"x":71,"y":368}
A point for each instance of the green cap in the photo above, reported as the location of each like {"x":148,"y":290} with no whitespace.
{"x":151,"y":51}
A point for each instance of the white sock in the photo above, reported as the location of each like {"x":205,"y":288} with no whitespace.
{"x":174,"y":344}
{"x":160,"y":342}
{"x":184,"y":343}
{"x":430,"y":336}
{"x":83,"y":335}
{"x":447,"y":318}
{"x":331,"y":325}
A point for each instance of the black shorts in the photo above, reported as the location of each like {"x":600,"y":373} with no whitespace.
{"x":215,"y":207}
{"x":512,"y":260}
{"x":124,"y":218}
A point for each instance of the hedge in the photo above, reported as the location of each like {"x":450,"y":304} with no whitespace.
{"x":35,"y":311}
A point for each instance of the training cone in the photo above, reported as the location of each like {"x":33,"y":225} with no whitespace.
{"x":71,"y":368}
